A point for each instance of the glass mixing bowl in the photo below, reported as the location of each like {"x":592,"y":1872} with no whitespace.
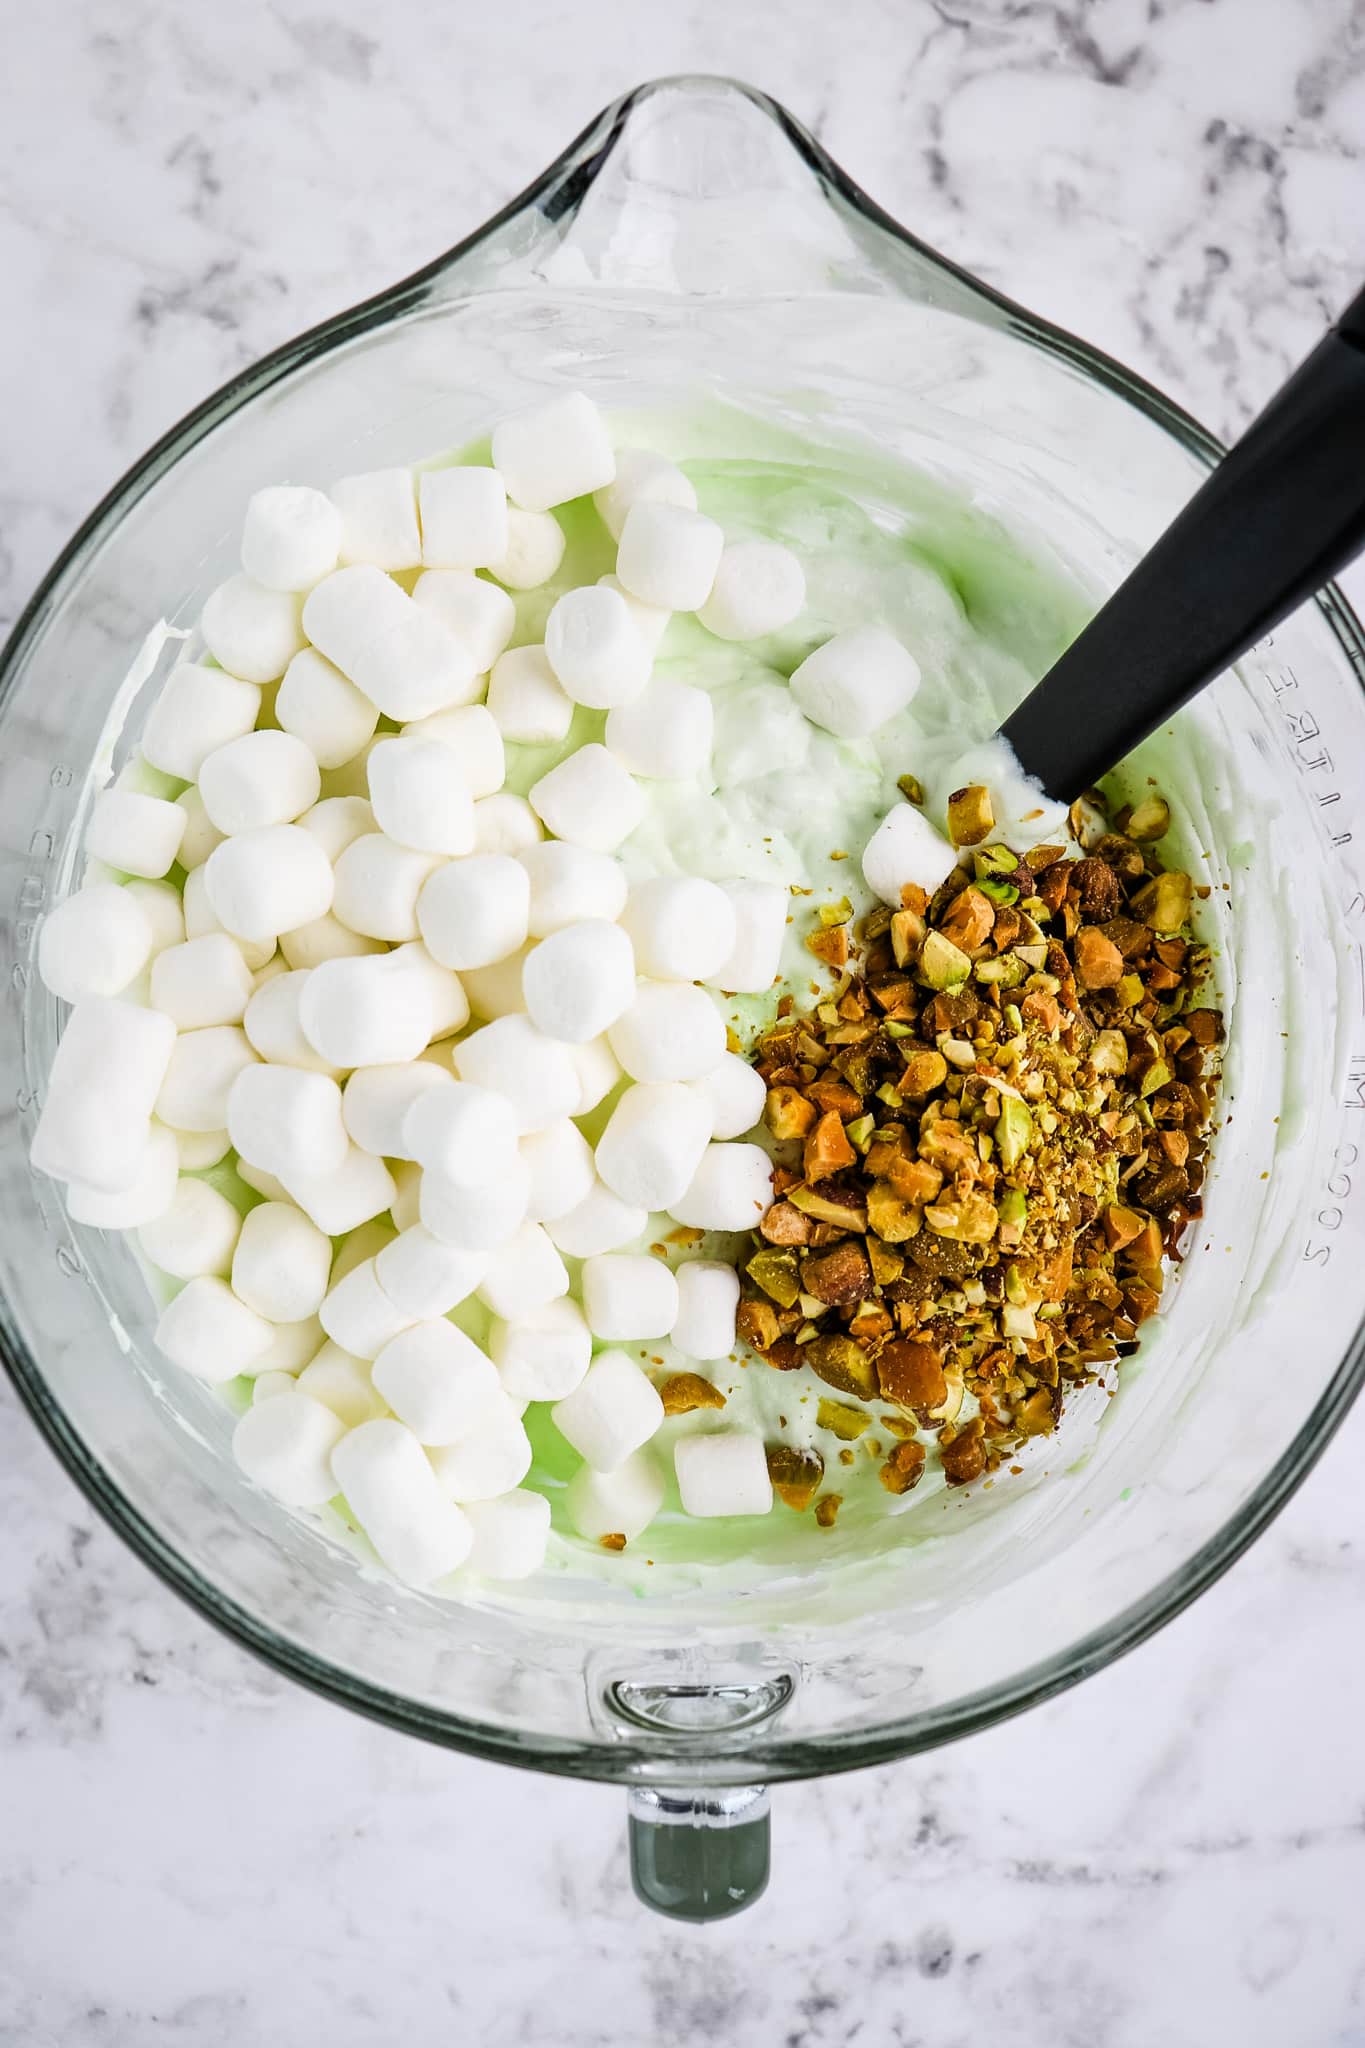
{"x":695,"y":237}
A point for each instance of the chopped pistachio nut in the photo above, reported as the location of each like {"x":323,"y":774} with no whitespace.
{"x":970,"y":815}
{"x":685,"y":1391}
{"x":1151,"y":819}
{"x":942,"y":965}
{"x":842,"y":1419}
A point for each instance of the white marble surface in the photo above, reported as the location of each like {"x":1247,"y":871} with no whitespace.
{"x":190,"y":1851}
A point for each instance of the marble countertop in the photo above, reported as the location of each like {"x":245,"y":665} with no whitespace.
{"x":190,"y":1850}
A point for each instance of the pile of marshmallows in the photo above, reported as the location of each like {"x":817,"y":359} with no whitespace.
{"x":298,"y":1002}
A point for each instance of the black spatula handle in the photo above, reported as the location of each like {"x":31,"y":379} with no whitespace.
{"x":1282,"y":512}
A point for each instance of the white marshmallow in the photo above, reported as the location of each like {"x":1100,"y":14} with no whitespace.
{"x":441,"y":991}
{"x":526,"y":700}
{"x":505,"y":824}
{"x":436,"y":1380}
{"x":94,"y":942}
{"x":511,"y":1534}
{"x":252,"y":632}
{"x":347,"y":1196}
{"x":263,"y":1183}
{"x":199,"y":710}
{"x":285,"y":1445}
{"x":906,"y":848}
{"x":736,"y":1094}
{"x":653,"y":1144}
{"x":265,"y":1386}
{"x":601,"y":1222}
{"x":200,"y":1076}
{"x":341,"y":1383}
{"x":379,"y":518}
{"x":476,"y":1217}
{"x":197,"y":1234}
{"x":397,"y":652}
{"x":534,"y":1073}
{"x":759,"y":588}
{"x":205,"y":981}
{"x":668,"y":555}
{"x":580,"y":980}
{"x":201,"y":835}
{"x":423,"y":1277}
{"x":613,"y":1410}
{"x":487,"y":1460}
{"x":161,"y":904}
{"x":282,"y":1263}
{"x":681,"y":926}
{"x":666,"y":733}
{"x":290,"y":1348}
{"x":198,"y":1150}
{"x":464,"y":517}
{"x":419,"y":796}
{"x":523,"y":1274}
{"x":291,"y":537}
{"x":708,"y":1296}
{"x":592,"y":646}
{"x":562,"y":1172}
{"x":856,"y":681}
{"x":264,"y":778}
{"x":375,"y":1101}
{"x":359,"y":1316}
{"x":476,"y":613}
{"x":320,"y":706}
{"x":724,"y":1473}
{"x":474,"y":912}
{"x":649,"y":621}
{"x":365,"y":1013}
{"x":628,"y":1295}
{"x":285,"y":1120}
{"x":207,"y":1331}
{"x":200,"y":919}
{"x":337,"y":821}
{"x":598,"y":1071}
{"x":322,"y":939}
{"x":463,"y":1131}
{"x":760,"y":910}
{"x":619,"y":1503}
{"x":554,"y":451}
{"x":589,"y":799}
{"x":732,"y":1189}
{"x":377,"y":885}
{"x":406,"y":1207}
{"x":570,"y":884}
{"x":148,"y":1195}
{"x":671,"y":1032}
{"x":496,"y":991}
{"x":471,"y":733}
{"x":268,"y":882}
{"x":535,"y":549}
{"x":272,"y":1024}
{"x":642,"y":477}
{"x":544,"y":1354}
{"x":392,"y":1492}
{"x":352,"y":778}
{"x":140,"y":835}
{"x":101,"y":1089}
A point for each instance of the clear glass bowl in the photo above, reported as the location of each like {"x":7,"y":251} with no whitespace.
{"x":695,"y":237}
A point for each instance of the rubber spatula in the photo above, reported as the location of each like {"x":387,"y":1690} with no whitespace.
{"x":1282,"y":512}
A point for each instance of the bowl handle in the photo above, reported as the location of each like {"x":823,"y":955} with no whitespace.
{"x":698,"y":1855}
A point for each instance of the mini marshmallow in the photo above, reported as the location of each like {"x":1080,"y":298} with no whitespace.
{"x":856,"y":681}
{"x":200,"y":919}
{"x":264,"y":1183}
{"x":163,"y":907}
{"x":423,"y":1277}
{"x":359,"y":1316}
{"x":266,"y":1385}
{"x":589,"y":799}
{"x":205,"y":981}
{"x":601,"y":1222}
{"x":535,"y":549}
{"x":419,"y":796}
{"x":341,"y":1383}
{"x":392,"y":1492}
{"x":725,"y":1473}
{"x":396,"y":651}
{"x":474,"y":912}
{"x":732,"y":1189}
{"x":199,"y":1150}
{"x":345,"y":1197}
{"x":436,"y":1380}
{"x":612,"y":1411}
{"x":101,"y":1089}
{"x":375,"y":1101}
{"x":264,"y":778}
{"x":736,"y":1094}
{"x":272,"y":1024}
{"x":523,"y":1274}
{"x":337,"y":821}
{"x":496,"y":991}
{"x":649,"y":621}
{"x":642,"y":477}
{"x":464,"y":517}
{"x":268,"y":882}
{"x":580,"y":980}
{"x":671,"y":1032}
{"x":562,"y":1172}
{"x":708,"y":1297}
{"x":759,"y":588}
{"x":207,"y":1331}
{"x":199,"y":710}
{"x":197,"y":1234}
{"x":435,"y":986}
{"x":377,"y":885}
{"x":352,"y":778}
{"x":94,"y":942}
{"x":752,"y":965}
{"x":668,"y":555}
{"x":379,"y":518}
{"x":320,"y":706}
{"x":526,"y":700}
{"x":285,"y":1445}
{"x":592,"y":646}
{"x":570,"y":884}
{"x":653,"y":1144}
{"x":628,"y":1295}
{"x":148,"y":1195}
{"x":365,"y":1013}
{"x":505,"y":824}
{"x":619,"y":1503}
{"x":250,"y":631}
{"x":290,"y":1348}
{"x":665,"y":733}
{"x":534,"y":1073}
{"x":906,"y":848}
{"x":471,"y":733}
{"x":365,"y":1243}
{"x":322,"y":939}
{"x":282,"y":1263}
{"x":475,"y":612}
{"x":291,"y":537}
{"x":476,"y":1217}
{"x":511,"y":1534}
{"x":140,"y":835}
{"x":201,"y":835}
{"x":681,"y":926}
{"x":487,"y":1460}
{"x":554,"y":451}
{"x":462,"y":1131}
{"x":544,"y":1354}
{"x":200,"y":1076}
{"x":598,"y":1071}
{"x":406,"y":1207}
{"x":285,"y":1120}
